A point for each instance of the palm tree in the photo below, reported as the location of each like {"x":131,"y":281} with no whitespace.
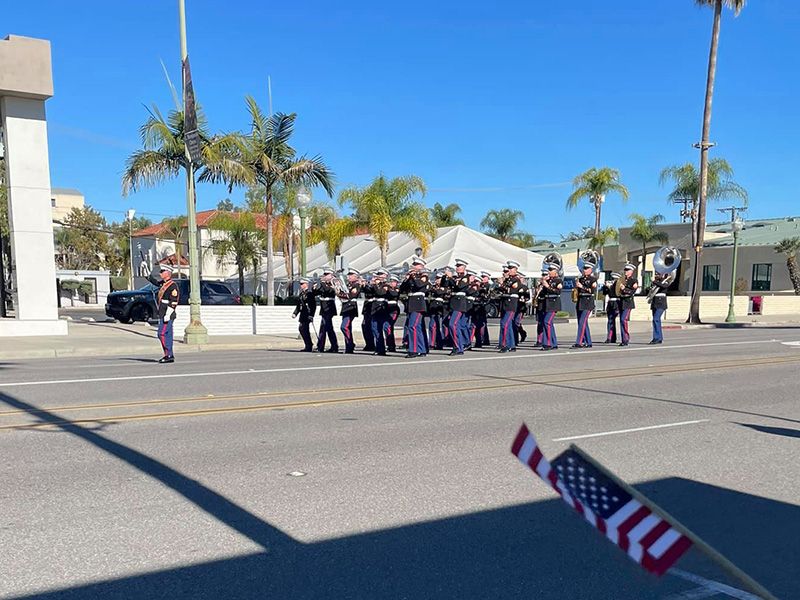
{"x":502,"y":223}
{"x":601,"y":239}
{"x":594,"y":185}
{"x":172,"y":228}
{"x":243,"y":241}
{"x":163,"y":156}
{"x":705,"y":144}
{"x":386,"y":205}
{"x":446,"y":216}
{"x":644,"y":230}
{"x":719,"y":182}
{"x":270,"y":161}
{"x":790,"y":247}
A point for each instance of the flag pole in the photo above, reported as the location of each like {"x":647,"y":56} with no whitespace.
{"x":726,"y":565}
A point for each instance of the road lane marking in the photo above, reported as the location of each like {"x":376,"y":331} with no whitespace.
{"x":710,"y":584}
{"x":619,"y":431}
{"x":393,"y":363}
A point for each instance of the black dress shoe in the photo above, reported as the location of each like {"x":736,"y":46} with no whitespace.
{"x":455,"y":353}
{"x":587,"y":345}
{"x":623,"y":344}
{"x":503,"y":350}
{"x":166,"y":359}
{"x":376,"y":353}
{"x":610,"y":342}
{"x":413,"y":355}
{"x":349,"y":351}
{"x":577,"y":346}
{"x":655,"y":341}
{"x":332,"y":351}
{"x":514,"y":349}
{"x":545,"y":348}
{"x":307,"y":350}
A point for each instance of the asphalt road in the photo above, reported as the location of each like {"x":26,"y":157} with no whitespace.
{"x":289,"y":475}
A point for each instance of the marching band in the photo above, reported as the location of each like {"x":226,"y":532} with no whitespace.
{"x":450,"y":307}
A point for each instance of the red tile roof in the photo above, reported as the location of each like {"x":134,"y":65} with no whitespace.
{"x":204,"y":217}
{"x":172,"y":261}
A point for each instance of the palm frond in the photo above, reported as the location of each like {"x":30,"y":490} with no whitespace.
{"x":147,"y":168}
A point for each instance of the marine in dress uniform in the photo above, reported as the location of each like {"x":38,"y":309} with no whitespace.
{"x":436,"y":308}
{"x":168,"y":298}
{"x":552,"y":286}
{"x":350,"y":309}
{"x":416,"y":285}
{"x":392,"y":312}
{"x":520,"y":335}
{"x":509,"y":295}
{"x":586,"y":285}
{"x":658,"y":305}
{"x":325,"y":294}
{"x":472,"y":296}
{"x":539,"y":307}
{"x":458,"y":286}
{"x":304,"y":311}
{"x":368,"y":289}
{"x":479,"y":318}
{"x":627,"y":303}
{"x":612,"y":308}
{"x":380,"y":311}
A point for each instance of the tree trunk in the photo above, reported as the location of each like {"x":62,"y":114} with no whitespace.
{"x":597,"y":208}
{"x":794,"y":273}
{"x":241,"y":279}
{"x":644,"y":263}
{"x":270,"y":253}
{"x":383,"y":256}
{"x":694,"y":309}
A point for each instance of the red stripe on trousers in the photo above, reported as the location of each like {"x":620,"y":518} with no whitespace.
{"x":585,"y":319}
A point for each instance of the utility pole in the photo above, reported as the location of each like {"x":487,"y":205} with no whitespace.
{"x":737,"y":224}
{"x":195,"y":332}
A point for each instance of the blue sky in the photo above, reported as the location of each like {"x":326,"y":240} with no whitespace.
{"x":492,"y":104}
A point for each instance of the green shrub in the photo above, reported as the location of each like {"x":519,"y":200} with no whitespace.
{"x":247,"y":299}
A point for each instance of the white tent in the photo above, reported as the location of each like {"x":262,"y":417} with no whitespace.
{"x":482,"y":252}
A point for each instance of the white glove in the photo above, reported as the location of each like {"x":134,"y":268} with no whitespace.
{"x":170,"y":314}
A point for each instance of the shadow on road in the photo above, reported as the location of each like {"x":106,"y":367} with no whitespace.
{"x":536,"y":550}
{"x":795,"y":433}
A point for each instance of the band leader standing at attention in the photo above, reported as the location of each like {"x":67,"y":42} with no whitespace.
{"x":626,"y":292}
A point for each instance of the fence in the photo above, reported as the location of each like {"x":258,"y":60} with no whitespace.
{"x":245,"y":320}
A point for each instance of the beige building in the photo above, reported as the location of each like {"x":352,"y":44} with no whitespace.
{"x":760,"y":271}
{"x":62,"y":201}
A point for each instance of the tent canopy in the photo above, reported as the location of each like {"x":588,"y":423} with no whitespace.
{"x":482,"y":252}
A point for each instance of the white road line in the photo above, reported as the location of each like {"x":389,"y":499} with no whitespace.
{"x":604,"y":433}
{"x":709,"y":584}
{"x":399,"y":363}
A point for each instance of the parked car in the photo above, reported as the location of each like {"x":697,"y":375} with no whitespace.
{"x":140,"y":305}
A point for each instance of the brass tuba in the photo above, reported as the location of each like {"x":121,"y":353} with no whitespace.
{"x":589,"y":257}
{"x":554,"y":258}
{"x":666,"y":261}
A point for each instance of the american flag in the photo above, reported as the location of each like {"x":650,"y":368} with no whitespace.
{"x":643,"y":535}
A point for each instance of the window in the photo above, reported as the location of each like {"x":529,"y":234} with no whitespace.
{"x":217,"y":288}
{"x":762,"y":277}
{"x":710,"y":278}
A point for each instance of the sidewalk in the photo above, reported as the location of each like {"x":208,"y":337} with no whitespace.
{"x":115,"y":339}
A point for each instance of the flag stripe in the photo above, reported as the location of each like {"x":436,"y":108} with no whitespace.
{"x":644,"y":536}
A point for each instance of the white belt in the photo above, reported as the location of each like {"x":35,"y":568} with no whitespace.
{"x":165,"y":302}
{"x":392,"y":301}
{"x":660,"y":294}
{"x":510,"y":295}
{"x":327,"y":299}
{"x":417,"y":294}
{"x":379,"y":300}
{"x":460,"y":294}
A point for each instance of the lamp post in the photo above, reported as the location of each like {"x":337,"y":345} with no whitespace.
{"x":129,"y":215}
{"x":736,"y":224}
{"x":303,"y":200}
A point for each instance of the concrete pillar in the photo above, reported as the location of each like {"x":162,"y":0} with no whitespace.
{"x":25,"y":84}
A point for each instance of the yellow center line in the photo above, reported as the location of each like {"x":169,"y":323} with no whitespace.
{"x":512,"y":383}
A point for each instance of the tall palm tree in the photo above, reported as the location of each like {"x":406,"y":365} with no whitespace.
{"x":270,"y":161}
{"x":790,"y":247}
{"x":645,"y":231}
{"x":705,"y":144}
{"x":386,"y":205}
{"x":502,"y":223}
{"x":594,"y":185}
{"x":446,"y":216}
{"x":163,"y":153}
{"x":172,"y":228}
{"x":242,"y":241}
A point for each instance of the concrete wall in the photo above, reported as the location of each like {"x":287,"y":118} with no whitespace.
{"x":102,"y":287}
{"x":26,"y":70}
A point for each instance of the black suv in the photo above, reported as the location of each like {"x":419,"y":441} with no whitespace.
{"x":140,"y":305}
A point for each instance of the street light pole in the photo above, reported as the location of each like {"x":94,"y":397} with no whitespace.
{"x":130,"y":214}
{"x":195,"y":332}
{"x":303,"y":200}
{"x":737,"y":224}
